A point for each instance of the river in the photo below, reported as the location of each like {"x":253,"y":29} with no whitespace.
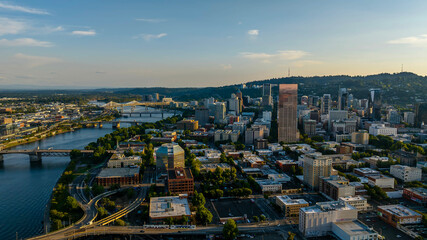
{"x":25,"y":188}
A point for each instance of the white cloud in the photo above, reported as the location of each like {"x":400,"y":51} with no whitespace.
{"x":226,"y":66}
{"x":22,"y":9}
{"x":415,"y":40}
{"x":148,"y":37}
{"x":84,"y":33}
{"x":35,"y":61}
{"x":151,"y":20}
{"x":280,"y":55}
{"x":9,"y":26}
{"x":253,"y":32}
{"x":25,"y":42}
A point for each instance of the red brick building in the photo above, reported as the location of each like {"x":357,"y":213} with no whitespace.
{"x":180,"y":181}
{"x":418,"y":195}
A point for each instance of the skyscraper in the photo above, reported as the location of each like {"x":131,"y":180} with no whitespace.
{"x":219,"y":112}
{"x":420,"y":114}
{"x":267,"y":99}
{"x":287,"y":113}
{"x":375,"y":104}
{"x":202,"y":115}
{"x":326,"y":103}
{"x":342,"y":99}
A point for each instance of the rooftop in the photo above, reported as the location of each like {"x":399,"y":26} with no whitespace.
{"x":352,"y":198}
{"x":399,"y":210}
{"x":328,"y":206}
{"x":180,"y":173}
{"x":118,"y":172}
{"x":419,"y":191}
{"x":354,"y":228}
{"x":289,"y":201}
{"x":163,"y":207}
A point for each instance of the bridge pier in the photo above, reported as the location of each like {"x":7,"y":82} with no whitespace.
{"x":35,"y":157}
{"x":100,"y":125}
{"x":162,"y":114}
{"x":1,"y":158}
{"x":116,"y":125}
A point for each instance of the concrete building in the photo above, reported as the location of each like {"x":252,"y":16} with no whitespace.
{"x":354,"y":230}
{"x":335,"y":187}
{"x":267,"y":99}
{"x":409,"y":118}
{"x":420,"y":114}
{"x":169,"y":156}
{"x":358,"y":202}
{"x":269,"y":186}
{"x":360,"y":137}
{"x":343,"y":99}
{"x":287,"y":113}
{"x":180,"y":181}
{"x":202,"y":116}
{"x":252,"y":134}
{"x":326,"y":104}
{"x":364,"y":172}
{"x":309,"y":127}
{"x":381,"y":129}
{"x":174,"y":207}
{"x":381,"y":181}
{"x":290,"y":206}
{"x":336,"y":115}
{"x":398,"y":214}
{"x":317,"y":220}
{"x":406,"y":173}
{"x":121,"y":176}
{"x":220,"y":109}
{"x":119,"y":161}
{"x":187,"y":124}
{"x":316,"y":167}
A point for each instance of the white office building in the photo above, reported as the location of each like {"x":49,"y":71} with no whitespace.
{"x":406,"y":173}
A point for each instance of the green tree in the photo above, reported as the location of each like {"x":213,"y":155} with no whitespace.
{"x":256,"y":218}
{"x":230,"y":230}
{"x":97,"y":189}
{"x":203,"y":215}
{"x":72,"y":203}
{"x":291,"y":235}
{"x":120,"y":222}
{"x":262,"y":218}
{"x":198,"y":199}
{"x":56,"y":224}
{"x":102,"y":212}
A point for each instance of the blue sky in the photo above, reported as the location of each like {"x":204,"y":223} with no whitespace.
{"x":205,"y":43}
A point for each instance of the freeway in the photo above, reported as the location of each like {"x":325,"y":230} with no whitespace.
{"x":214,"y":229}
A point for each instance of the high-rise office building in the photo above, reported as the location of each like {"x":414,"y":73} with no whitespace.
{"x":304,"y":100}
{"x":287,"y":113}
{"x":326,"y":103}
{"x":342,"y":99}
{"x":309,"y":126}
{"x":267,"y":99}
{"x":409,"y":117}
{"x":420,"y":114}
{"x":202,"y":115}
{"x":316,"y":167}
{"x":233,"y":104}
{"x":375,"y":100}
{"x":169,"y":156}
{"x":220,"y":109}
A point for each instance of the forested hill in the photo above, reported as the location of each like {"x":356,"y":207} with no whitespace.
{"x":398,"y":88}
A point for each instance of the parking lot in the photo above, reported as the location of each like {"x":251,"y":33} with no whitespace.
{"x":236,"y":208}
{"x":384,"y":229}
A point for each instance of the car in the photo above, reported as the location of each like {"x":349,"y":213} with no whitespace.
{"x":278,"y":225}
{"x":398,"y":236}
{"x":142,"y":231}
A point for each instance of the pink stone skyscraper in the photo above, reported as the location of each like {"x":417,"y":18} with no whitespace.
{"x":287,"y":113}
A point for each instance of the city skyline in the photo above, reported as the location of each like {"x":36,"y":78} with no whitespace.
{"x":158,"y":44}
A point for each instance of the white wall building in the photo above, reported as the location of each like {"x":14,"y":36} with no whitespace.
{"x":317,"y":220}
{"x":406,"y":173}
{"x":381,"y":129}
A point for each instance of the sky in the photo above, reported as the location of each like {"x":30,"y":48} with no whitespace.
{"x":158,"y":43}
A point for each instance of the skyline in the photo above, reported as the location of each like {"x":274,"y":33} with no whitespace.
{"x":159,"y":44}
